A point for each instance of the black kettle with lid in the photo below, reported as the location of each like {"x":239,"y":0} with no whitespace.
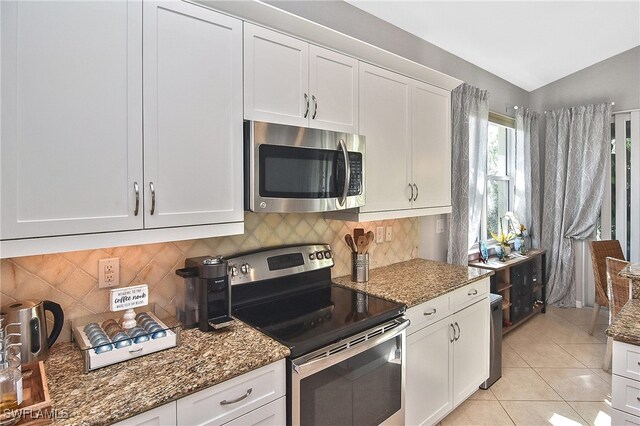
{"x":30,"y":314}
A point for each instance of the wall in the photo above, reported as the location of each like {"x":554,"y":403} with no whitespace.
{"x":70,"y":279}
{"x":350,"y":20}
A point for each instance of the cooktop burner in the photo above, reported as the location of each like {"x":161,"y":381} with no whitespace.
{"x":287,"y":294}
{"x":312,"y":319}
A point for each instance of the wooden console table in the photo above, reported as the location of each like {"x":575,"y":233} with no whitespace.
{"x":521,"y":281}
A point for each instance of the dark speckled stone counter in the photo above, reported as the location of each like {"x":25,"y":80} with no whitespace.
{"x":415,"y":281}
{"x":626,"y":326}
{"x":123,"y":390}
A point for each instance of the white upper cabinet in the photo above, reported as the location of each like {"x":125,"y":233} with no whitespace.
{"x":289,"y":81}
{"x":431,"y":145}
{"x":276,"y":77}
{"x":333,"y":85}
{"x":384,"y":121}
{"x":193,"y":115}
{"x":71,"y":117}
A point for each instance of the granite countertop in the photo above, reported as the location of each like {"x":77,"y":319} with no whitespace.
{"x":123,"y":390}
{"x":415,"y":281}
{"x":632,"y":271}
{"x":626,"y":325}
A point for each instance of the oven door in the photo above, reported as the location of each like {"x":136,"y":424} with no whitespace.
{"x":357,"y":381}
{"x":294,"y":169}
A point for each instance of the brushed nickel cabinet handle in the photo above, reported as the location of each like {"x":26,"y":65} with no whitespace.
{"x":411,"y":188}
{"x":452,"y":339}
{"x":315,"y":107}
{"x":137,"y":191}
{"x":472,"y":292}
{"x":458,"y":326}
{"x":238,"y":399}
{"x":417,"y":192}
{"x":153,"y":198}
{"x":306,"y":99}
{"x":433,"y":311}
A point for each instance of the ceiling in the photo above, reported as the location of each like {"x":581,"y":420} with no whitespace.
{"x":528,"y":43}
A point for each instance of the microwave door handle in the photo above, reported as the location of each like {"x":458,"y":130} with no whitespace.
{"x":347,"y":172}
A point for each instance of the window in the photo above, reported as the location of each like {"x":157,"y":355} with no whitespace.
{"x":500,"y":166}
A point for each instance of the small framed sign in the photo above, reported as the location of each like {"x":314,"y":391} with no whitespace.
{"x":129,"y":297}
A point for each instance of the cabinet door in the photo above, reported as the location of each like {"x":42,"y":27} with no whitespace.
{"x":429,"y":375}
{"x":384,"y":121}
{"x":165,"y":415}
{"x":431,"y":145}
{"x":272,"y":414}
{"x":276,"y":77}
{"x":192,"y":116}
{"x":470,"y":350}
{"x":333,"y":84}
{"x":71,"y":117}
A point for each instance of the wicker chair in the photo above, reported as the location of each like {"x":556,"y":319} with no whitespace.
{"x":600,"y":250}
{"x":619,"y":293}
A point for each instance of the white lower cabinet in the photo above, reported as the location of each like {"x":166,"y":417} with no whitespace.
{"x":272,"y":414}
{"x":625,"y":384}
{"x":254,"y":398}
{"x":620,"y":418}
{"x":447,"y":359}
{"x":165,"y":415}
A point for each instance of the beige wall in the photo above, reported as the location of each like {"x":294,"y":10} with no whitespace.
{"x":70,"y":279}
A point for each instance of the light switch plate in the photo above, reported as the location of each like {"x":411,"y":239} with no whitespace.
{"x":380,"y":234}
{"x":439,"y":226}
{"x":389,"y":235}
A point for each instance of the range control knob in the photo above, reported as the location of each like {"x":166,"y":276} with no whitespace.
{"x":312,"y":256}
{"x":245,"y":268}
{"x":320,"y":255}
{"x":327,"y":254}
{"x":233,"y":270}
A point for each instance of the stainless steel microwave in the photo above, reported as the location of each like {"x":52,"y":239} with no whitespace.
{"x":292,"y":169}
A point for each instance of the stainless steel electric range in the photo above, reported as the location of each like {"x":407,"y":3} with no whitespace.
{"x":347,"y":363}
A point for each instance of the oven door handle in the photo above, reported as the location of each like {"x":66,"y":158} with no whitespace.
{"x":318,"y":362}
{"x":347,"y":172}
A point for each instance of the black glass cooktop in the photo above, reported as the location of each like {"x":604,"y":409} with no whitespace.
{"x":312,"y":318}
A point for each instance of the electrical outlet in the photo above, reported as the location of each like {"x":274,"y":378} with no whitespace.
{"x":389,"y":235}
{"x":109,"y":272}
{"x":439,"y":226}
{"x":380,"y":234}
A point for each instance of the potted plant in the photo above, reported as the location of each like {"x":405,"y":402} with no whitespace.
{"x":503,"y":239}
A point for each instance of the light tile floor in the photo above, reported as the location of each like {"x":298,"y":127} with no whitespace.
{"x":551,"y":374}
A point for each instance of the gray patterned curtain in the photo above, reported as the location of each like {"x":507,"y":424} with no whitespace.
{"x":470,"y":107}
{"x":526,"y":203}
{"x":577,"y":141}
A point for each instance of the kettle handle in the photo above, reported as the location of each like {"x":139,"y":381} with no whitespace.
{"x":58,"y":320}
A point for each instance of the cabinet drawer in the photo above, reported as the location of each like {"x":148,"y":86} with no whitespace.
{"x":626,"y":360}
{"x":427,"y":313}
{"x":233,"y":398}
{"x":625,"y":395}
{"x":164,"y":415}
{"x":620,"y":418}
{"x":469,"y":294}
{"x":272,"y":414}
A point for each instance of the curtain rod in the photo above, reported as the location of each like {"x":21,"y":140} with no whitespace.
{"x":612,"y":104}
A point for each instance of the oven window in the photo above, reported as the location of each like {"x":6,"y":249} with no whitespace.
{"x":363,"y":390}
{"x":294,"y":172}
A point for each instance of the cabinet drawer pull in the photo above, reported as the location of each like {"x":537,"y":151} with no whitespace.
{"x":638,"y":398}
{"x":452,"y":339}
{"x":433,"y":311}
{"x":472,"y":292}
{"x":137,"y":191}
{"x":315,"y":106}
{"x":417,"y":192}
{"x":153,"y":198}
{"x":411,"y":188}
{"x":133,"y":351}
{"x":458,"y":326}
{"x":238,"y":399}
{"x":306,"y":99}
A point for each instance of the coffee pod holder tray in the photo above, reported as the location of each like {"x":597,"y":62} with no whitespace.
{"x":117,"y":350}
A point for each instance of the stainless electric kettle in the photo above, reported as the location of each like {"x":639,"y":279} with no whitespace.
{"x":30,"y":314}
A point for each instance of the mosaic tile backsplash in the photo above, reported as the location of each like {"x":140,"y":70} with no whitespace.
{"x":70,"y":279}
